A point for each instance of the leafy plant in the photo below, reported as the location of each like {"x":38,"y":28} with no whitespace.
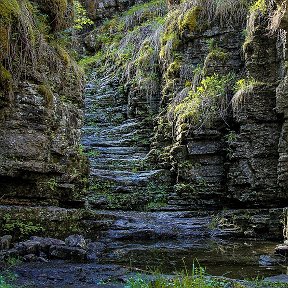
{"x":3,"y":282}
{"x":203,"y":105}
{"x":92,"y":153}
{"x":19,"y":228}
{"x":81,"y":20}
{"x":259,"y":5}
{"x":52,"y":184}
{"x":196,"y":278}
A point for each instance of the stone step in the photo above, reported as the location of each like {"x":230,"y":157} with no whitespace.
{"x":123,"y":150}
{"x":91,"y":142}
{"x":125,"y":177}
{"x":107,"y":100}
{"x":110,"y":164}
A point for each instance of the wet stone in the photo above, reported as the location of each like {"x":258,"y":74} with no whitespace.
{"x":67,"y":253}
{"x":46,"y":243}
{"x":282,"y":249}
{"x":5,"y":242}
{"x":28,"y":247}
{"x":76,"y":241}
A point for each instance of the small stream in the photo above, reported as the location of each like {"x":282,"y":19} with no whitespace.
{"x":237,"y":260}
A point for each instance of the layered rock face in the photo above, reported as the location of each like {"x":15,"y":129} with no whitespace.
{"x":99,"y":10}
{"x":41,"y":162}
{"x":229,"y":158}
{"x":208,"y":75}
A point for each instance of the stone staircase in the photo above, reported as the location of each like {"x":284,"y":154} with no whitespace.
{"x":120,"y":175}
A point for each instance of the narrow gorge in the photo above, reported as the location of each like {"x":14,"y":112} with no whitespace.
{"x":141,"y":136}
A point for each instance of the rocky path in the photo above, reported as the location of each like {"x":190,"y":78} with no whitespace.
{"x":117,"y":148}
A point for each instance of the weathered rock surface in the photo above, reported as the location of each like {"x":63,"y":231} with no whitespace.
{"x":40,"y":159}
{"x":120,"y":176}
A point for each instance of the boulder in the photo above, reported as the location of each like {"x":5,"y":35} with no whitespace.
{"x":94,"y":250}
{"x":281,"y":249}
{"x":76,"y":241}
{"x":5,"y":242}
{"x":67,"y":253}
{"x":28,"y":247}
{"x":46,"y":243}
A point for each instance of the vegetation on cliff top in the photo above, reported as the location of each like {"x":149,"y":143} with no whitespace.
{"x":31,"y":42}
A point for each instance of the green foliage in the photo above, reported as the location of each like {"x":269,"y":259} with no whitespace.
{"x":101,"y":187}
{"x":144,"y":6}
{"x":217,"y":54}
{"x":52,"y":184}
{"x":242,"y":88}
{"x":19,"y":228}
{"x":92,"y":153}
{"x":231,"y":137}
{"x":206,"y":103}
{"x":4,"y":283}
{"x":181,"y":188}
{"x":245,"y":84}
{"x":157,"y":196}
{"x":13,"y":261}
{"x":259,"y":6}
{"x":6,"y":81}
{"x":81,"y":20}
{"x":197,"y":278}
{"x":8,"y":10}
{"x":189,"y":20}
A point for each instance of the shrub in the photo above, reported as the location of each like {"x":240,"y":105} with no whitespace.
{"x":206,"y":103}
{"x":189,"y":20}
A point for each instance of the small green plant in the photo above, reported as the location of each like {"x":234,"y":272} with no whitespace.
{"x":12,"y":261}
{"x":189,"y":20}
{"x":157,"y":196}
{"x":52,"y":184}
{"x":206,"y":103}
{"x":4,"y":283}
{"x":81,"y":20}
{"x":93,"y":153}
{"x":20,"y":229}
{"x":259,"y":5}
{"x":242,"y":88}
{"x":181,"y":188}
{"x":196,"y":278}
{"x":231,"y":137}
{"x":103,"y":186}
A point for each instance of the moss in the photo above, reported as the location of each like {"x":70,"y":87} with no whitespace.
{"x":169,"y":43}
{"x":173,"y":70}
{"x":64,"y":55}
{"x":45,"y":91}
{"x":4,"y":41}
{"x":217,"y":54}
{"x":9,"y":9}
{"x":144,"y":6}
{"x":87,"y":62}
{"x":6,"y":81}
{"x":189,"y":20}
{"x":58,"y":11}
{"x":259,"y":5}
{"x":202,"y":106}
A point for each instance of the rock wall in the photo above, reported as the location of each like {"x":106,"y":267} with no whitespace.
{"x":41,"y":101}
{"x":99,"y":10}
{"x":238,"y":160}
{"x":210,"y":78}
